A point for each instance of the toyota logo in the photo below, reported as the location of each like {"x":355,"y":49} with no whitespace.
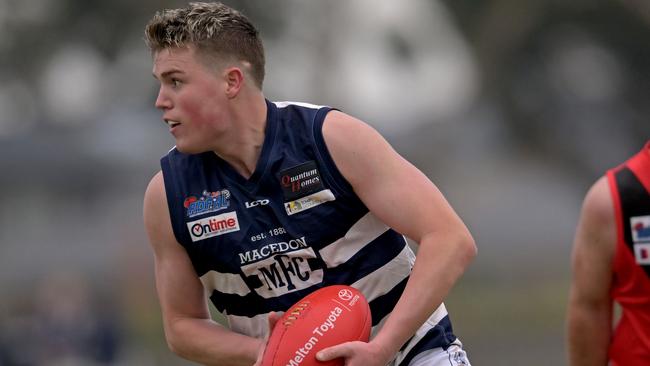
{"x":345,"y":294}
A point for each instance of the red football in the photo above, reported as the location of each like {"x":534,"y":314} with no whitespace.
{"x":324,"y":318}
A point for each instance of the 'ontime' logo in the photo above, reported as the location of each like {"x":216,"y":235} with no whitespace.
{"x":213,"y":226}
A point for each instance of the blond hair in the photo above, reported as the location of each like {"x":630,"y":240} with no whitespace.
{"x":215,"y":29}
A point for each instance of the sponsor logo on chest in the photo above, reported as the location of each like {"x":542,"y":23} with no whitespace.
{"x":305,"y":203}
{"x":303,"y":188}
{"x":208,"y":202}
{"x":251,"y":204}
{"x":640,"y":226}
{"x":213,"y":226}
{"x":300,"y":180}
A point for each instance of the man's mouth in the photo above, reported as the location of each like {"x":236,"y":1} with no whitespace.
{"x":171,"y":123}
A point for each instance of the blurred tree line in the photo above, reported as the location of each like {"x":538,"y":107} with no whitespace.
{"x":572,"y":77}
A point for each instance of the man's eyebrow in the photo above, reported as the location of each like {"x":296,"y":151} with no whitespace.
{"x":167,"y":74}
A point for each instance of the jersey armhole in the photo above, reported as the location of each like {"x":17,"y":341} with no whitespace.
{"x":172,"y":199}
{"x":637,"y":165}
{"x":616,"y":201}
{"x":323,"y":153}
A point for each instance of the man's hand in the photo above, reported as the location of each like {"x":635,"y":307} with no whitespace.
{"x":273,"y":319}
{"x":357,"y":354}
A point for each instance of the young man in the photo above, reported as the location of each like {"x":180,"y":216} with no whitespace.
{"x":261,"y":203}
{"x":611,"y":262}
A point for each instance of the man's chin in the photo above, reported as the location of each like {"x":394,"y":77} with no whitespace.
{"x":190,"y":150}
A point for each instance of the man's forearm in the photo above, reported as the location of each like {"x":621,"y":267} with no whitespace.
{"x":589,"y":334}
{"x":441,"y":260}
{"x":208,"y":343}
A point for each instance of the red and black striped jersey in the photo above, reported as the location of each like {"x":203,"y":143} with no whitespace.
{"x":630,"y":187}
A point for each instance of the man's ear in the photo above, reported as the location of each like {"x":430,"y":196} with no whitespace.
{"x":235,"y":81}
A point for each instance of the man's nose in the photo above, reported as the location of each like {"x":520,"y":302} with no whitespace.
{"x":162,"y":101}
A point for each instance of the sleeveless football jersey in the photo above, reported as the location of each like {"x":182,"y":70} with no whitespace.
{"x":261,"y":244}
{"x":630,"y":187}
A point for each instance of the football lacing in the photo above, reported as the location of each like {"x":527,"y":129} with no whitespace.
{"x":295,"y":313}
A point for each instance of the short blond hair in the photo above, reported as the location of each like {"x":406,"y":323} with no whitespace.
{"x":214,"y":29}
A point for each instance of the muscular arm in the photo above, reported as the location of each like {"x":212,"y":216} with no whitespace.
{"x":406,"y":200}
{"x":589,"y":315}
{"x":189,"y":330}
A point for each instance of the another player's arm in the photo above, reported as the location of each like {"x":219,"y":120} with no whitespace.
{"x":405,"y":199}
{"x":589,"y":316}
{"x":189,"y":331}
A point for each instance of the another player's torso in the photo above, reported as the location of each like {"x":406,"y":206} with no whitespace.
{"x":260,"y":244}
{"x":631,"y":287}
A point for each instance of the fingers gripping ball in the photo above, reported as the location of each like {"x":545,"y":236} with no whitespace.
{"x":324,"y":318}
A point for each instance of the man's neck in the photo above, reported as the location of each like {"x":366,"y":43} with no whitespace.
{"x":247,"y":141}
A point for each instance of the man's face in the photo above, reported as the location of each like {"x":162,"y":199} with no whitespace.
{"x":192,"y":99}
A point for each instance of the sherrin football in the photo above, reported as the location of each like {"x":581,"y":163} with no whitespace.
{"x":324,"y":318}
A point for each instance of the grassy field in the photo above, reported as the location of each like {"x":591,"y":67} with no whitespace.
{"x":513,"y":323}
{"x":509,"y":323}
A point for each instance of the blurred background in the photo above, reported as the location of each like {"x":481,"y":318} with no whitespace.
{"x":513,"y":108}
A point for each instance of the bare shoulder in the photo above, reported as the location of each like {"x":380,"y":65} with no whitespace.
{"x":357,"y":149}
{"x":154,"y":196}
{"x":378,"y":173}
{"x":340,"y":128}
{"x":156,"y":184}
{"x":337,"y":119}
{"x":596,"y":233}
{"x":598,"y":206}
{"x":156,"y":213}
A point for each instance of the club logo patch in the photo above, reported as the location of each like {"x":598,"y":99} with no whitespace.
{"x":305,"y":203}
{"x":208,"y":202}
{"x":640,"y":226}
{"x":300,"y":181}
{"x":213,"y":226}
{"x":642,"y":253}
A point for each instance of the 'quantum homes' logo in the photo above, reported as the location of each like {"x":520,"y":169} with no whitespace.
{"x":300,"y":180}
{"x":208,"y":202}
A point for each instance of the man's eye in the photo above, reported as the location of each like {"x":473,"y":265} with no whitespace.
{"x":176,"y":83}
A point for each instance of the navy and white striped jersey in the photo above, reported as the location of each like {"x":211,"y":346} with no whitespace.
{"x":261,"y":244}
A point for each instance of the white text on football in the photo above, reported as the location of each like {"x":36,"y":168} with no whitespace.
{"x":329,"y":322}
